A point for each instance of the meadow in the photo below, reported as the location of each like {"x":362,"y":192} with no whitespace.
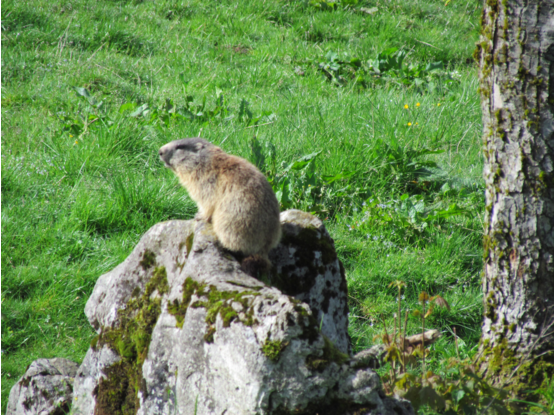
{"x":365,"y":113}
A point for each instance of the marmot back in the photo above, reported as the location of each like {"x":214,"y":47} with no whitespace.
{"x":230,"y":193}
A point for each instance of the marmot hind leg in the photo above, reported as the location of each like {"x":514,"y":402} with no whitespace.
{"x":256,"y":266}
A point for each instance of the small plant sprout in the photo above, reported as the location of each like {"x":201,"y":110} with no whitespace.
{"x":545,"y":393}
{"x":456,"y":343}
{"x":397,"y":347}
{"x":427,"y":303}
{"x":399,"y":284}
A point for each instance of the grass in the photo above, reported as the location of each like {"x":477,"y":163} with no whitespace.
{"x":81,"y":182}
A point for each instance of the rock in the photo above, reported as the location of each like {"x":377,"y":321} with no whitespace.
{"x":371,"y":358}
{"x":308,"y":269}
{"x":44,"y":389}
{"x":181,"y":329}
{"x":95,"y":367}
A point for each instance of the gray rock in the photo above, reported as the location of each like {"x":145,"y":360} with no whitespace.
{"x":44,"y":389}
{"x":183,"y":330}
{"x":308,"y":269}
{"x":369,"y":358}
{"x":89,"y":376}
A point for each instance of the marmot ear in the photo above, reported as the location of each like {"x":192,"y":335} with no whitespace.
{"x":199,"y":146}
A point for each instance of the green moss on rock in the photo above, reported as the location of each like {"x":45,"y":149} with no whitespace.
{"x":272,"y":349}
{"x":209,"y":336}
{"x":189,"y":243}
{"x":116,"y":394}
{"x":216,"y":303}
{"x":220,"y":303}
{"x":94,"y":342}
{"x":149,"y":260}
{"x":178,"y":309}
{"x":159,"y":281}
{"x":330,"y":353}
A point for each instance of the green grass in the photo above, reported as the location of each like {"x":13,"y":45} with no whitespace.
{"x":81,"y":183}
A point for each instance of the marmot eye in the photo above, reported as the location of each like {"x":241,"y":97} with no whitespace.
{"x":187,"y":148}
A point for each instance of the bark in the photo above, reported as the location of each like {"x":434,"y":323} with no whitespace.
{"x":515,"y":54}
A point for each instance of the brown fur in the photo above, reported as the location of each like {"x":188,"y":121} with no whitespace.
{"x":230,"y":192}
{"x":256,"y":266}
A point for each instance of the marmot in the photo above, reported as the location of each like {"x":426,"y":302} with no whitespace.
{"x":230,"y":193}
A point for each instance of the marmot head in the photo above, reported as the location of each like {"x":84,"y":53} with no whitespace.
{"x":187,"y":155}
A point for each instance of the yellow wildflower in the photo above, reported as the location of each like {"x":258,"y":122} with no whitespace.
{"x":406,"y":106}
{"x":438,"y":104}
{"x":418,"y":104}
{"x":76,"y":142}
{"x":409,"y":124}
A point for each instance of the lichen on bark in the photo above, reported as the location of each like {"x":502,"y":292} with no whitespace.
{"x":515,"y":53}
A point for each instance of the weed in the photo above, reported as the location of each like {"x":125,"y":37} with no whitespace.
{"x":546,"y":399}
{"x":332,"y":4}
{"x":165,"y":115}
{"x":466,"y":393}
{"x":388,"y":67}
{"x":407,"y":219}
{"x":299,"y":185}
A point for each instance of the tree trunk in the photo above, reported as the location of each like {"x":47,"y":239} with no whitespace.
{"x":515,"y":53}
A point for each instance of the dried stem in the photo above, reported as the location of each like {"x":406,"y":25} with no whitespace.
{"x":423,"y":351}
{"x":399,"y":308}
{"x":389,"y":344}
{"x":403,"y":341}
{"x":456,"y":344}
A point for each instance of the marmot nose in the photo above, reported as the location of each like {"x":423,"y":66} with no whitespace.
{"x":163,"y":155}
